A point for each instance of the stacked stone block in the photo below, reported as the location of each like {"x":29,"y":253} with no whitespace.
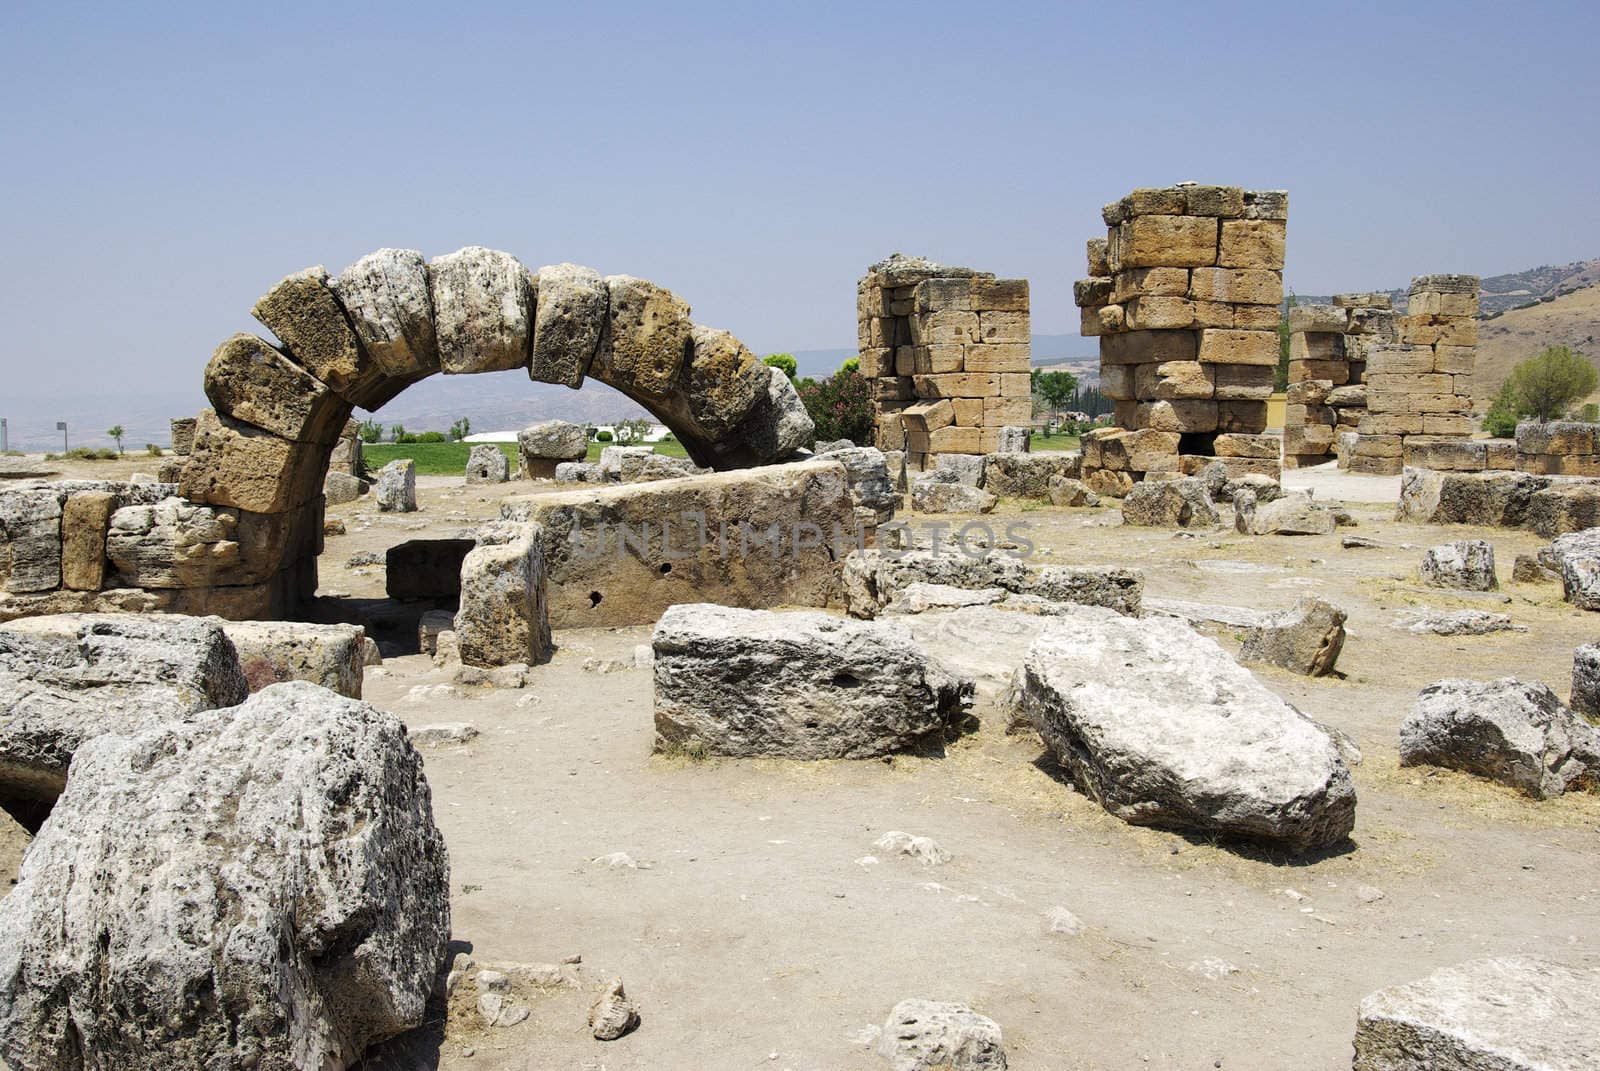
{"x":1184,"y":294}
{"x":1419,"y":387}
{"x":1328,"y":350}
{"x":1558,"y":448}
{"x":947,"y":350}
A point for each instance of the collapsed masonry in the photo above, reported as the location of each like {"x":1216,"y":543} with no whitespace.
{"x":947,"y":352}
{"x":1329,"y":346}
{"x":1419,"y":384}
{"x":1184,"y":293}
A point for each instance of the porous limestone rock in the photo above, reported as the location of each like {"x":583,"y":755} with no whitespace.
{"x":646,"y":341}
{"x":933,"y":1035}
{"x":1577,"y":557}
{"x":30,"y":539}
{"x":1181,"y":503}
{"x":1066,"y":491}
{"x":614,"y":459}
{"x":306,"y":316}
{"x":1293,"y":513}
{"x":960,"y":468}
{"x":396,"y":487}
{"x":579,"y":472}
{"x":68,"y":678}
{"x":802,"y":685}
{"x":386,"y":296}
{"x":429,"y":625}
{"x":1482,"y":499}
{"x":85,"y":519}
{"x":873,"y":579}
{"x":1467,"y":564}
{"x":612,"y":1015}
{"x":482,"y":310}
{"x":271,"y":652}
{"x":930,"y":494}
{"x":777,"y":426}
{"x":341,"y":487}
{"x":1015,"y":440}
{"x":1456,"y":623}
{"x":257,"y":886}
{"x":504,"y":616}
{"x":1024,"y":475}
{"x":1507,"y":1014}
{"x":871,"y":493}
{"x":543,"y":446}
{"x":725,"y":381}
{"x":1586,"y":681}
{"x":487,"y":463}
{"x":250,"y":380}
{"x":1161,"y":727}
{"x":569,"y":320}
{"x":1507,"y":730}
{"x":1306,"y":638}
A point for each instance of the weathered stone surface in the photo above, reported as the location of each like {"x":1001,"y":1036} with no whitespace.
{"x":1015,"y":440}
{"x":649,"y":465}
{"x":30,"y":539}
{"x":1182,"y":503}
{"x":873,"y":579}
{"x":931,"y":1035}
{"x":1506,"y":730}
{"x":1292,"y":513}
{"x":800,"y":685}
{"x":620,"y":555}
{"x":932,"y":495}
{"x":962,"y":468}
{"x":1066,"y":491}
{"x":646,"y":340}
{"x":251,"y":381}
{"x":386,"y":297}
{"x":487,"y":463}
{"x":257,"y":886}
{"x":68,"y":678}
{"x":302,"y":311}
{"x":429,"y":625}
{"x":614,"y":458}
{"x":1020,"y":475}
{"x":1466,"y":563}
{"x":1511,"y":1014}
{"x":870,"y":490}
{"x":1577,"y":558}
{"x":918,"y":598}
{"x":182,"y":435}
{"x":271,"y":652}
{"x":578,"y":472}
{"x":1457,"y":623}
{"x":237,"y":464}
{"x":1568,"y":505}
{"x":85,"y":517}
{"x":568,"y":324}
{"x":504,"y":617}
{"x":725,"y":380}
{"x":1586,"y":680}
{"x":341,"y":487}
{"x":425,"y":568}
{"x":482,"y":309}
{"x":1486,"y":499}
{"x":177,"y":544}
{"x":777,"y":426}
{"x":612,"y":1015}
{"x":396,"y":487}
{"x":1161,"y":727}
{"x":1306,"y":638}
{"x":546,"y":444}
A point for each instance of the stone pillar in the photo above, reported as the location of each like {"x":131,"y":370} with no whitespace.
{"x":1328,"y":348}
{"x":1184,"y":293}
{"x":947,"y":350}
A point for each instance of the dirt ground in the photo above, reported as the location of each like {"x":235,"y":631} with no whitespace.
{"x":761,"y":928}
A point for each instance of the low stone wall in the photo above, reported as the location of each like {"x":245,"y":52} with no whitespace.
{"x":1559,"y":448}
{"x":1547,"y":505}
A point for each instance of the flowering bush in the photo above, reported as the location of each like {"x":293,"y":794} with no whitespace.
{"x":840,"y":405}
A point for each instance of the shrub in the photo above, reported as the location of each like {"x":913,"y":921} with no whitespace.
{"x":1547,"y":385}
{"x":783,"y":362}
{"x":371,"y":431}
{"x":602,"y":436}
{"x":431,"y":437}
{"x":840,"y":405}
{"x":152,"y":449}
{"x":1501,"y":419}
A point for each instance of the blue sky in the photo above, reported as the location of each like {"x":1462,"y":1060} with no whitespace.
{"x":163,"y":166}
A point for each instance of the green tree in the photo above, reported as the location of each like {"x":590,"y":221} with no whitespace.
{"x":397,"y":433}
{"x":1280,"y":379}
{"x":460,"y":429}
{"x":371,"y":431}
{"x":1501,"y":419}
{"x":1054,"y":389}
{"x":1549,"y":383}
{"x":851,"y":364}
{"x":783,"y":362}
{"x":116,"y":433}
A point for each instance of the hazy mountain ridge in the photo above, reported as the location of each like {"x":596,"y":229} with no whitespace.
{"x":1501,"y":293}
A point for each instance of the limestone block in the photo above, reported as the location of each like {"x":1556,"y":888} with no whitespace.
{"x":1331,"y":319}
{"x":1238,"y":347}
{"x":1003,"y":327}
{"x":1246,"y":286}
{"x":1142,"y":347}
{"x":1242,"y":382}
{"x":396,"y":487}
{"x":1316,"y":347}
{"x":542,"y":446}
{"x":1098,"y":253}
{"x":483,"y":310}
{"x":924,"y":1035}
{"x":182,"y":435}
{"x":306,"y":316}
{"x":1251,"y":243}
{"x":1177,"y":416}
{"x":571,"y":305}
{"x":1092,"y":292}
{"x":1001,"y":412}
{"x":1399,"y":359}
{"x":252,"y":382}
{"x":929,"y":416}
{"x":1163,"y":200}
{"x":1305,"y":639}
{"x":504,"y":615}
{"x":955,"y":440}
{"x":999,"y":357}
{"x":487,"y":463}
{"x":1509,"y":731}
{"x":958,"y":385}
{"x":1173,"y":380}
{"x":386,"y":297}
{"x":944,"y":326}
{"x":1159,"y":313}
{"x":341,"y":487}
{"x":30,"y":539}
{"x":1226,"y":202}
{"x":237,"y":464}
{"x":725,"y":381}
{"x":1170,"y":241}
{"x":1024,"y":475}
{"x":1179,"y":503}
{"x":271,"y":652}
{"x":1467,"y":564}
{"x":85,"y":517}
{"x":1149,"y":282}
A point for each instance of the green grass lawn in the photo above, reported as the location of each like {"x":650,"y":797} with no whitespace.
{"x":450,"y":459}
{"x":1051,"y":442}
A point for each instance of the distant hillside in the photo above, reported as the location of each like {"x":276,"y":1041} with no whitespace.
{"x":1501,"y":293}
{"x":1572,"y":319}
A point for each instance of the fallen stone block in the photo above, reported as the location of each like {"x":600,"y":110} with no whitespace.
{"x":873,"y":579}
{"x":1025,"y":475}
{"x":429,"y":625}
{"x":543,"y":446}
{"x":271,"y":652}
{"x":1586,"y":681}
{"x":1160,"y":727}
{"x":396,"y":487}
{"x":1577,"y":558}
{"x":1181,"y":503}
{"x":487,"y":463}
{"x":1565,"y":506}
{"x":341,"y":487}
{"x":279,"y":856}
{"x":1485,"y":499}
{"x":1067,"y":491}
{"x":931,"y":495}
{"x":1456,"y":622}
{"x":1511,"y":1014}
{"x":579,"y":472}
{"x":932,"y":1035}
{"x":1467,"y":564}
{"x":918,"y":598}
{"x":867,"y":472}
{"x":801,"y":685}
{"x":1304,"y":639}
{"x":1292,"y":514}
{"x":504,"y":617}
{"x":1509,"y":731}
{"x":962,"y":468}
{"x":622,"y":554}
{"x":68,"y":678}
{"x":1528,"y":569}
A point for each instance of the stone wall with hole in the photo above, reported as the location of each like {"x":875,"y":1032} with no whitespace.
{"x":1184,"y":294}
{"x":947,"y":351}
{"x":237,"y":531}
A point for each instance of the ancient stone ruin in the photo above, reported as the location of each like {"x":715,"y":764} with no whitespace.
{"x":947,"y":350}
{"x":1184,"y":294}
{"x":1328,"y":350}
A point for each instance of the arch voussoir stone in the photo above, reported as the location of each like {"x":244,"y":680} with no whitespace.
{"x":483,"y":310}
{"x":305,"y":314}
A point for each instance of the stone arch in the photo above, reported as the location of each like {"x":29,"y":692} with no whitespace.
{"x":393,"y":318}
